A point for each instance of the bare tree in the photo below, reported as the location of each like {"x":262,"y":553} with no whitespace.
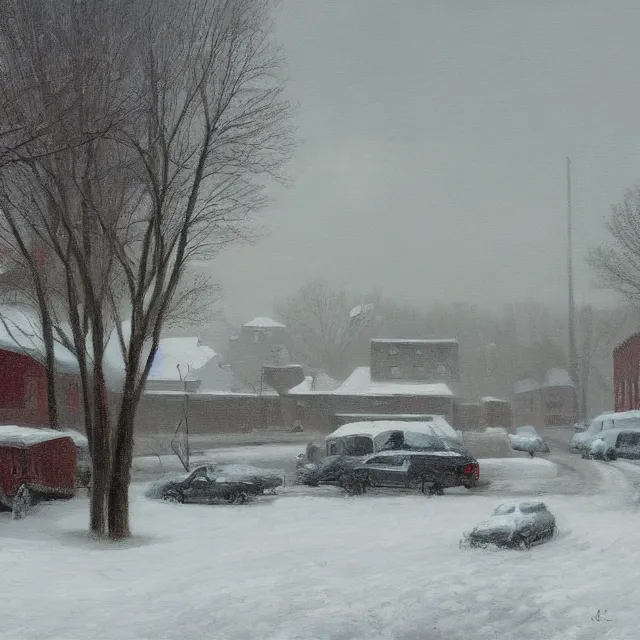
{"x":617,"y":263}
{"x":196,"y":114}
{"x":321,"y":325}
{"x":597,"y":332}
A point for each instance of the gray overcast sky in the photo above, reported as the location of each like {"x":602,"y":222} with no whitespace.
{"x":433,"y":136}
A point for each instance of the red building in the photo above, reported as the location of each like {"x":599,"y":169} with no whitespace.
{"x":23,"y":392}
{"x":626,"y":374}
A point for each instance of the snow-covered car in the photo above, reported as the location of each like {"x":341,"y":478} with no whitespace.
{"x":210,"y":484}
{"x":581,"y":442}
{"x":527,"y":439}
{"x":614,"y":444}
{"x":514,"y":525}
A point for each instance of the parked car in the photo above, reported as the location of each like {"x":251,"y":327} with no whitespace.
{"x":210,"y":484}
{"x":35,"y":464}
{"x":582,"y":442}
{"x":372,"y":436}
{"x":614,"y":444}
{"x":432,"y":470}
{"x":527,"y":439}
{"x":514,"y":525}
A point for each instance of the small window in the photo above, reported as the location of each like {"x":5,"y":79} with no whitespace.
{"x":387,"y":461}
{"x":333,"y":448}
{"x":396,"y":372}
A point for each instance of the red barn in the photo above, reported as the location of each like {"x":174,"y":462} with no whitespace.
{"x":23,"y":377}
{"x":23,"y":392}
{"x":42,"y":460}
{"x":626,"y":374}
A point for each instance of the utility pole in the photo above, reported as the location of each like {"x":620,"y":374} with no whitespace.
{"x":573,"y":358}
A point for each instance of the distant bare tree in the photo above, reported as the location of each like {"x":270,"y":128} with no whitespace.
{"x":617,"y":262}
{"x":321,"y":326}
{"x":597,"y":332}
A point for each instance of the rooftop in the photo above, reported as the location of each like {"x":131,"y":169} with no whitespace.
{"x":12,"y":435}
{"x":264,"y":323}
{"x":359,"y":383}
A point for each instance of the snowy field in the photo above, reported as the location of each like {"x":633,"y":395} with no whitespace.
{"x":325,"y":567}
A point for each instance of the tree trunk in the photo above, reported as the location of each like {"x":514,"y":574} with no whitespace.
{"x":50,"y":364}
{"x":118,"y":501}
{"x":97,"y":516}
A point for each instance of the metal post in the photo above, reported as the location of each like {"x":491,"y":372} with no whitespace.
{"x":573,"y":359}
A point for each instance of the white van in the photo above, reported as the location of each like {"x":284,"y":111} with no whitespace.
{"x":366,"y":437}
{"x":604,"y":422}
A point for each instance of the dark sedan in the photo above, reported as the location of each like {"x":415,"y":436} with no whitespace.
{"x":431,"y":471}
{"x":211,"y":484}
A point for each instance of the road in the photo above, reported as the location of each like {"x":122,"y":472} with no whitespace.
{"x":560,"y":473}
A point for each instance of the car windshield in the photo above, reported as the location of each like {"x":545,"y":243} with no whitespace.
{"x":532,"y":508}
{"x":357,"y":445}
{"x":410,"y":441}
{"x":504,"y":509}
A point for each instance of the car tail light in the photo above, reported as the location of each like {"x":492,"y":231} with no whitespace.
{"x":472,"y":470}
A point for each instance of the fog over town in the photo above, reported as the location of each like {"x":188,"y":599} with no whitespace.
{"x":319,"y":320}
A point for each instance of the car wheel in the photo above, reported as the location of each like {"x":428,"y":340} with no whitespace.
{"x":173,"y":496}
{"x":523,"y":542}
{"x":353,"y":486}
{"x":238,"y":498}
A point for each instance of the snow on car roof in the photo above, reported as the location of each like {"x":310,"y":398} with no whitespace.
{"x":409,"y":452}
{"x":359,"y":383}
{"x":264,"y":323}
{"x":373,"y":428}
{"x":413,"y":341}
{"x":520,"y":505}
{"x":13,"y":435}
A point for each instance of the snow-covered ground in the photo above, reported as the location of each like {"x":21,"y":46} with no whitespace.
{"x":325,"y":567}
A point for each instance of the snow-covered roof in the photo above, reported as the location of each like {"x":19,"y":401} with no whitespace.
{"x":186,"y":353}
{"x":264,"y":323}
{"x":438,"y":426}
{"x":14,"y":436}
{"x":359,"y":383}
{"x":491,"y":399}
{"x":557,"y":378}
{"x":526,"y":385}
{"x":319,"y":383}
{"x":20,"y":332}
{"x":449,"y":341}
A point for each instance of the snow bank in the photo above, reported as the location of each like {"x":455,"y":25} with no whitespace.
{"x":379,"y":568}
{"x":517,"y":469}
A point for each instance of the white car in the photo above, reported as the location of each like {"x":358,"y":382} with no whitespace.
{"x":614,"y":444}
{"x":527,"y":439}
{"x":581,"y":442}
